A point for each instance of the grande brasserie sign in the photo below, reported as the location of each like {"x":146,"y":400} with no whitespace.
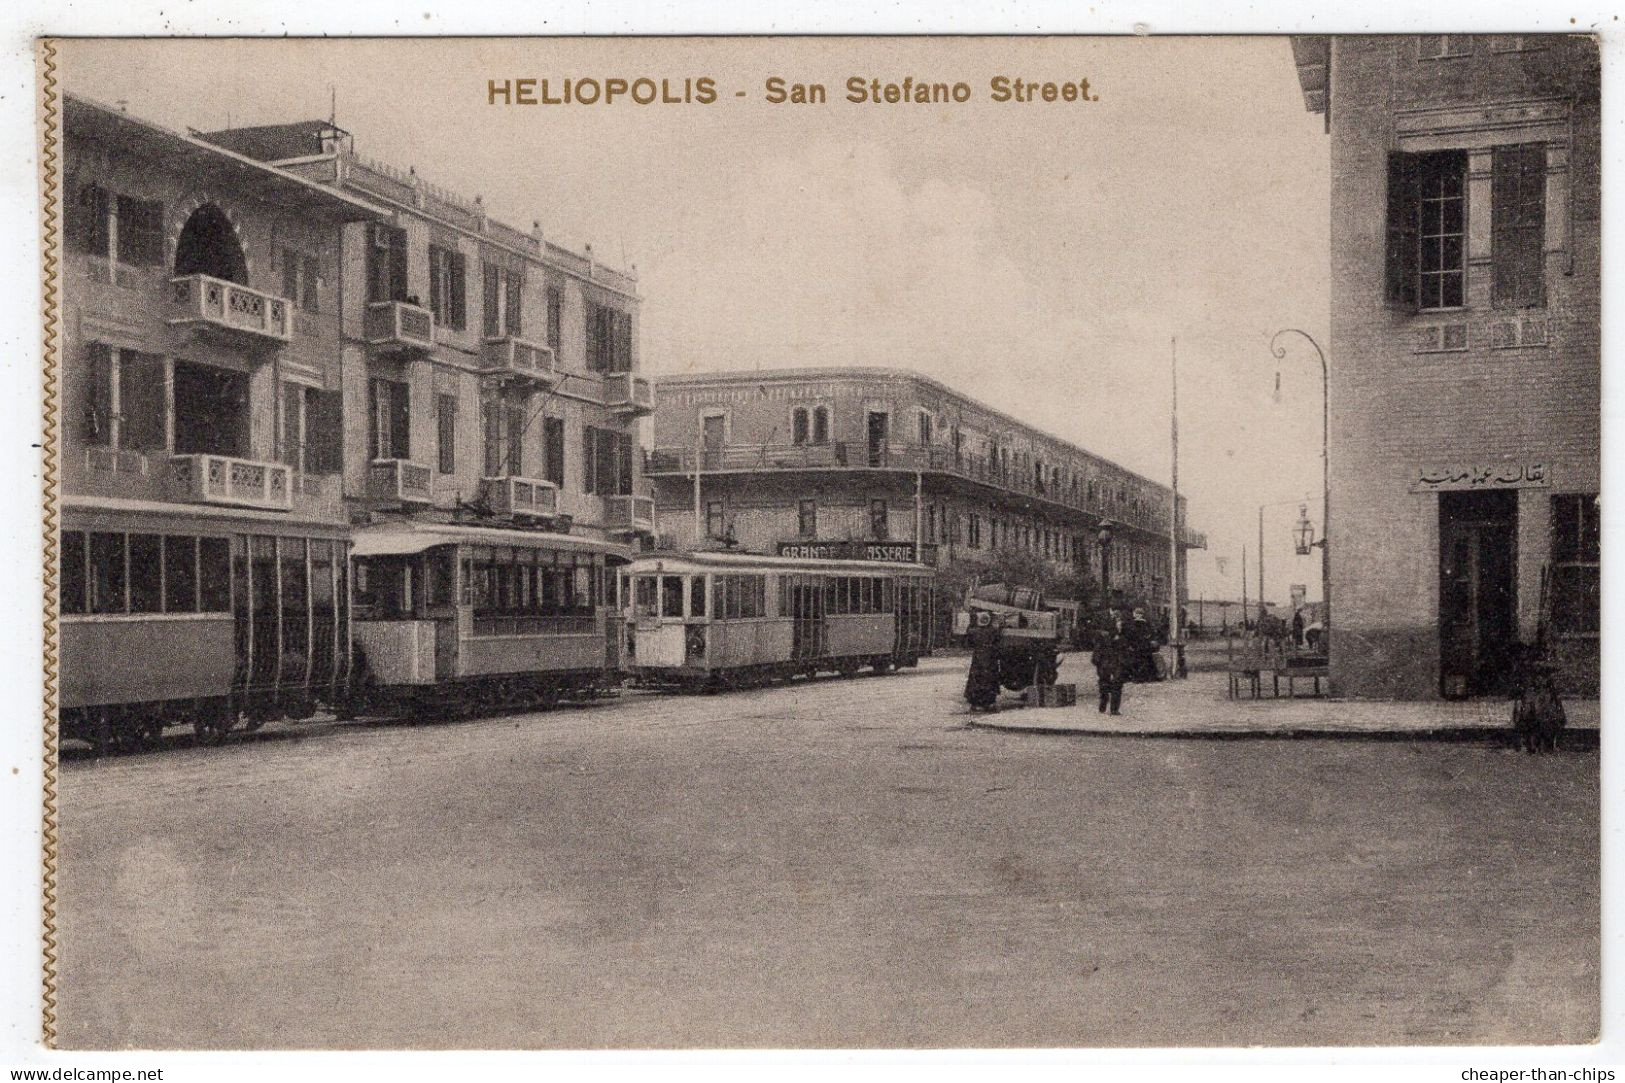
{"x":901,"y":552}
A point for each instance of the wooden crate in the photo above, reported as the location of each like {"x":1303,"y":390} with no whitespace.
{"x":1051,"y":695}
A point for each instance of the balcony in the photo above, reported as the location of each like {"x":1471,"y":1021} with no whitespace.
{"x":399,"y":482}
{"x":515,"y":358}
{"x":635,"y":513}
{"x":240,"y":483}
{"x":520,"y":498}
{"x":397,"y":327}
{"x":625,"y":393}
{"x":226,"y":310}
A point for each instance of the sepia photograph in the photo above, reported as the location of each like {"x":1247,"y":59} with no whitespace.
{"x":1031,"y":542}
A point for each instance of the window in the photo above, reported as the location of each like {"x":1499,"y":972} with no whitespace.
{"x":125,"y":403}
{"x":925,"y":429}
{"x":609,"y":339}
{"x":555,"y":318}
{"x":1518,"y":225}
{"x":696,"y":596}
{"x":390,"y":435}
{"x":606,"y":461}
{"x":72,"y":581}
{"x":504,"y":291}
{"x":807,"y":518}
{"x":1443,"y":46}
{"x":511,"y":587}
{"x":820,"y":425}
{"x":879,"y":520}
{"x":89,"y":220}
{"x":180,"y":575}
{"x":140,"y":231}
{"x":312,"y":429}
{"x":714,"y":525}
{"x":1427,"y":216}
{"x":144,"y":573}
{"x":300,"y":277}
{"x":553,"y":439}
{"x":448,"y":287}
{"x":446,"y":432}
{"x":800,"y":429}
{"x":386,"y":263}
{"x":738,"y":597}
{"x":1576,"y":589}
{"x":671,"y":596}
{"x":973,"y":531}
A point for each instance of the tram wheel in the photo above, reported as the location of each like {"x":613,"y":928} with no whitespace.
{"x":882,"y":666}
{"x":213,"y":722}
{"x":141,"y":734}
{"x":101,"y":733}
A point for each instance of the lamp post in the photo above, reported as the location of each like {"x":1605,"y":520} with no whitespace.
{"x":1104,"y":537}
{"x":1279,"y":353}
{"x":1262,"y":612}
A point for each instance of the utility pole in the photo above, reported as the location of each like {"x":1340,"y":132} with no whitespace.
{"x":1260,"y":561}
{"x":1244,"y":588}
{"x":699,"y":512}
{"x":1176,"y":666}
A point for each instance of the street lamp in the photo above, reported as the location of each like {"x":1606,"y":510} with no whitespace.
{"x":1104,"y":537}
{"x":1279,"y":353}
{"x":1304,"y":533}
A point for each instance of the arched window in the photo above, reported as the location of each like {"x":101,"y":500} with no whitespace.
{"x":820,"y":425}
{"x":798,"y":426}
{"x":208,"y":246}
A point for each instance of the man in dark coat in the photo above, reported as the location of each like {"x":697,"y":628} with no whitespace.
{"x":1141,"y":644}
{"x":982,"y":683}
{"x":1111,"y":664}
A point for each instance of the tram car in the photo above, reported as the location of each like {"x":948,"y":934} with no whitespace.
{"x":211,"y":618}
{"x":453,"y":619}
{"x":718,"y":620}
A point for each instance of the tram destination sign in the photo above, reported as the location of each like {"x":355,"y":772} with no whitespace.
{"x":898,"y":551}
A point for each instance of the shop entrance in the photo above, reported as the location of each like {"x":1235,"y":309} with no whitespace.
{"x":1478,"y":625}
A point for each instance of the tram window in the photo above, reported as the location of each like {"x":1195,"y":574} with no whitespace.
{"x":146,"y":573}
{"x":735,"y":609}
{"x":107,"y":573}
{"x":73,"y":571}
{"x":584,"y":599}
{"x":180,"y":575}
{"x":214,"y":575}
{"x":439,"y":585}
{"x":868,"y":592}
{"x":696,"y":596}
{"x":643,"y":596}
{"x":671,"y":596}
{"x":295,"y":590}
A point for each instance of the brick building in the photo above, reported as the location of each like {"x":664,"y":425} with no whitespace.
{"x":805,"y":460}
{"x":1465,"y":364}
{"x":488,"y":374}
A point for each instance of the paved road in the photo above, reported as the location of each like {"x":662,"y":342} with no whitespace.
{"x":838,"y":863}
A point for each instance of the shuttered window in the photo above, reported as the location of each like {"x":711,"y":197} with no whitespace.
{"x":1518,"y":225}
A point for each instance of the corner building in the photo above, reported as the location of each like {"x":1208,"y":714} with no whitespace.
{"x":1464,"y":357}
{"x":889,"y":463}
{"x":488,"y":373}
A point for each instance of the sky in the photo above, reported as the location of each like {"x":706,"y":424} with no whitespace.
{"x":1043,"y":257}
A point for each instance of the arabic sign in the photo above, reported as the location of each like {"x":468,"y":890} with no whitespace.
{"x":1503,"y":475}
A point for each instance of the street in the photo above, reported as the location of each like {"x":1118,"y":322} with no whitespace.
{"x":840,"y":863}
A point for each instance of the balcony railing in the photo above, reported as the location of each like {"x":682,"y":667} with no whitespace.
{"x":399,"y":327}
{"x":243,"y":483}
{"x":399,"y":481}
{"x":627,"y":393}
{"x":892,"y":455}
{"x":213,"y":304}
{"x":517,"y":358}
{"x":629,"y":513}
{"x":520,"y":497}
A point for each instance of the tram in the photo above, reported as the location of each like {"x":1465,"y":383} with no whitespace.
{"x":717,"y":620}
{"x":212,"y":617}
{"x":452,"y":619}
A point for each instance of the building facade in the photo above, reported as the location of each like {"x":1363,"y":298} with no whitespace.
{"x":1465,"y":360}
{"x":849,"y":461}
{"x":488,"y":374}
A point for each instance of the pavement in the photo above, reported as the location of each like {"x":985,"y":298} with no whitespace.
{"x":1200,"y":707}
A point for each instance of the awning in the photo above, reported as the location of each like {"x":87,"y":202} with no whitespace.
{"x":405,"y":540}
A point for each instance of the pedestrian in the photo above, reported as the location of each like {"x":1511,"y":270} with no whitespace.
{"x":1111,"y":663}
{"x":982,"y":683}
{"x":1537,"y":713}
{"x":1297,"y":628}
{"x":1141,"y":644}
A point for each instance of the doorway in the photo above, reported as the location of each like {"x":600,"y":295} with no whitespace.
{"x":879,"y":432}
{"x":1478,"y":599}
{"x":713,"y":436}
{"x":208,"y":245}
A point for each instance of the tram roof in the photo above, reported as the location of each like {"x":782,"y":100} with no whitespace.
{"x":679,"y":561}
{"x":404,"y":539}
